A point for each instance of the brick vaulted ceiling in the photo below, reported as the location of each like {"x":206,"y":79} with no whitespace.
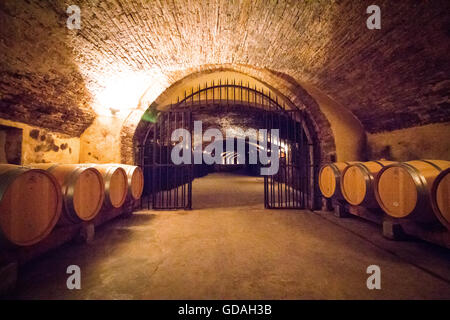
{"x":390,"y":78}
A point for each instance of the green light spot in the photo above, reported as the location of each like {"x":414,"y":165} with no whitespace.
{"x":151,"y":115}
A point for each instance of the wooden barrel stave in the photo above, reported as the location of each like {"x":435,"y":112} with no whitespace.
{"x":30,"y":204}
{"x":82,"y":189}
{"x":440,"y":197}
{"x":135,"y":180}
{"x":403,"y":190}
{"x":330,"y":179}
{"x":357,"y":182}
{"x":116,"y":184}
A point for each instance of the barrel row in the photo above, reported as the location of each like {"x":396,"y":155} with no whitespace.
{"x":36,"y":198}
{"x":417,"y":190}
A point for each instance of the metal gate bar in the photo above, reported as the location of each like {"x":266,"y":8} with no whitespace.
{"x":170,"y":186}
{"x":289,"y":188}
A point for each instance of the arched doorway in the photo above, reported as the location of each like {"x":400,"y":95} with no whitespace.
{"x":169,"y":184}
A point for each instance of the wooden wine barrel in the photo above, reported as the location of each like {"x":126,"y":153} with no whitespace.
{"x":82,"y":188}
{"x":403,"y":190}
{"x":135,"y":180}
{"x":330,"y":179}
{"x":440,"y":197}
{"x":116,"y":184}
{"x":357,"y":182}
{"x":30,"y":204}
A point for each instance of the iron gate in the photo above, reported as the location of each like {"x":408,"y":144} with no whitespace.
{"x":168,"y":186}
{"x":290,"y":187}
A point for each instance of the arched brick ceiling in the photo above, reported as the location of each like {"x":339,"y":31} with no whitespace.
{"x":390,"y":78}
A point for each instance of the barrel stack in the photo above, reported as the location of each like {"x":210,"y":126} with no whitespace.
{"x":412,"y":196}
{"x":59,"y":199}
{"x":330,"y":179}
{"x":123,"y":187}
{"x":135,"y":181}
{"x":357,"y":182}
{"x":116,"y":184}
{"x":82,"y":189}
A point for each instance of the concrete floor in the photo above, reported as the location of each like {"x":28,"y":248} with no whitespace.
{"x":230,"y":247}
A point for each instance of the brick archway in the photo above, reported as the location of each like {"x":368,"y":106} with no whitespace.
{"x":280,"y":83}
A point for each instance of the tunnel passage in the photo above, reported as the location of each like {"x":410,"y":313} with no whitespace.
{"x":86,"y":100}
{"x":257,"y":123}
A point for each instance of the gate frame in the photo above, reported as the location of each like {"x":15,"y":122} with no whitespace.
{"x":254,"y":98}
{"x":307,"y":172}
{"x":186,"y":188}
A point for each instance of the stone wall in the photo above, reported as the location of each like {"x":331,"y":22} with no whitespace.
{"x":10,"y":145}
{"x":43,"y":146}
{"x":348,"y":132}
{"x":100,"y":143}
{"x":40,"y":83}
{"x":425,"y":142}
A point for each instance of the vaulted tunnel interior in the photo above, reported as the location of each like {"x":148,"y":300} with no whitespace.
{"x":90,"y":101}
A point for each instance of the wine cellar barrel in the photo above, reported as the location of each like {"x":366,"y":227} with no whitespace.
{"x":82,"y":189}
{"x":404,"y":189}
{"x":135,"y":180}
{"x":116,"y":184}
{"x":30,"y":204}
{"x":440,"y":197}
{"x":357,"y":182}
{"x":330,"y":179}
